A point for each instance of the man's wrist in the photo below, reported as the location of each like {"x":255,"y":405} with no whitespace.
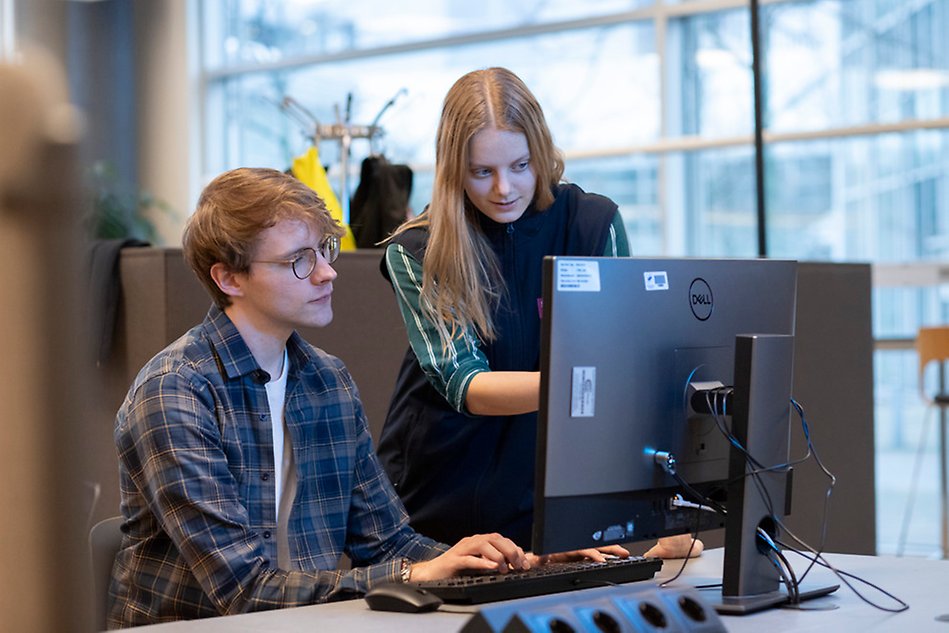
{"x":405,"y":570}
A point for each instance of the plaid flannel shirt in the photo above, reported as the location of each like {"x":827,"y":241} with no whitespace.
{"x":196,"y":466}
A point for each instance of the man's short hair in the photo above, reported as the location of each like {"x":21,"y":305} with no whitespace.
{"x":233,"y":210}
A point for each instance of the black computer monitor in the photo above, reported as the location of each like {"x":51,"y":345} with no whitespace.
{"x":633,"y":350}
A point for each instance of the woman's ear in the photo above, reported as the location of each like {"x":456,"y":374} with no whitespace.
{"x":228,"y":281}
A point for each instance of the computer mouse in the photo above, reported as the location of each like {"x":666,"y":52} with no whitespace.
{"x":402,"y":597}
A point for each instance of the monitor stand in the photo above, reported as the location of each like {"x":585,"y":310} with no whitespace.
{"x":760,"y":423}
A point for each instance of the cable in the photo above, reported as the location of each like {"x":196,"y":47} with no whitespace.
{"x":716,"y":400}
{"x":818,"y":557}
{"x":754,"y":474}
{"x":679,"y":502}
{"x":790,"y":580}
{"x":724,"y":392}
{"x":754,"y":470}
{"x":756,"y":467}
{"x":830,"y":487}
{"x":698,"y":496}
{"x":688,"y":555}
{"x":667,"y":462}
{"x":843,"y":576}
{"x":784,"y":576}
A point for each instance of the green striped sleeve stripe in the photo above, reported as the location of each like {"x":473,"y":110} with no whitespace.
{"x":451,"y":371}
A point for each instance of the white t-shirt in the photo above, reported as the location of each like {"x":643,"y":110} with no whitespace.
{"x":276,"y":395}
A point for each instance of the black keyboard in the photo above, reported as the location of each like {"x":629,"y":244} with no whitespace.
{"x":550,"y":578}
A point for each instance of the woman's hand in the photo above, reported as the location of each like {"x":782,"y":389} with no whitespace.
{"x":598,"y":555}
{"x":676,"y":547}
{"x":482,"y":552}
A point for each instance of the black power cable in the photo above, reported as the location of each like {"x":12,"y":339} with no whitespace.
{"x":775,"y":554}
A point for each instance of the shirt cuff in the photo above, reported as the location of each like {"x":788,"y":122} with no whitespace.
{"x":384,"y":573}
{"x":460,"y":390}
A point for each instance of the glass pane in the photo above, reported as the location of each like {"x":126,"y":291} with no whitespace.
{"x":845,"y":62}
{"x":710,"y":83}
{"x":601,"y":107}
{"x":880,"y":198}
{"x":423,"y":181}
{"x":711,"y":197}
{"x":253,"y":31}
{"x":829,"y":64}
{"x":900,"y":312}
{"x":632,"y":183}
{"x":900,"y":420}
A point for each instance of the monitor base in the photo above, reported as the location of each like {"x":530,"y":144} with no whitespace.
{"x":743,"y":605}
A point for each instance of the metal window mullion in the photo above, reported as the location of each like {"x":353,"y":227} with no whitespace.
{"x":693,"y":143}
{"x":759,"y":109}
{"x":660,"y":26}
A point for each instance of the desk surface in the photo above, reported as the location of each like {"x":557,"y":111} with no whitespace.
{"x":923,"y":584}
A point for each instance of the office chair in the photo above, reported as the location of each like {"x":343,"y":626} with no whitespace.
{"x":932,"y":345}
{"x":105,"y":539}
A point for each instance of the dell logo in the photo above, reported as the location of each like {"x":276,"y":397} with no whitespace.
{"x":700,"y":299}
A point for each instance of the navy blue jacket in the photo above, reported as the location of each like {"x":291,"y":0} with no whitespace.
{"x":460,"y":474}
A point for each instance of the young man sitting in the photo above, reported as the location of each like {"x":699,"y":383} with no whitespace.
{"x":246,"y":466}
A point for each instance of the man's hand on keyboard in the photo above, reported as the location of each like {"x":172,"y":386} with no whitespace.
{"x":482,"y":552}
{"x":676,"y":547}
{"x":599,"y":555}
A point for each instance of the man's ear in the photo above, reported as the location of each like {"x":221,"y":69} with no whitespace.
{"x":227,"y":280}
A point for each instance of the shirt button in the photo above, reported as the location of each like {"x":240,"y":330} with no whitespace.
{"x":266,"y":533}
{"x":265,"y":476}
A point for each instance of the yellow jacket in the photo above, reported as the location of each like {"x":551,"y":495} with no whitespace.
{"x":309,"y":170}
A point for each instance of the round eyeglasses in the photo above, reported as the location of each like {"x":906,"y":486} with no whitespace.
{"x":303,"y":263}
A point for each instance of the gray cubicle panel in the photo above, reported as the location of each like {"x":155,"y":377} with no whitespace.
{"x":833,"y":369}
{"x":833,"y":381}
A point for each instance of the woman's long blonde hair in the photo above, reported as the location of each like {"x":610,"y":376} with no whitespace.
{"x":461,"y":282}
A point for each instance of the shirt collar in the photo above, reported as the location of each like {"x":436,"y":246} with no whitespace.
{"x":235,"y":358}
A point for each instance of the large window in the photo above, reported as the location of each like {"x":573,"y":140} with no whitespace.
{"x":652,"y":103}
{"x":254,"y":129}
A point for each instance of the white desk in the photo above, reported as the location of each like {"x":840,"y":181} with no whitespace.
{"x":923,"y":584}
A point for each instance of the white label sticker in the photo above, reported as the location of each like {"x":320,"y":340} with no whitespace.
{"x":583,"y":392}
{"x":656,"y":280}
{"x":578,"y":276}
